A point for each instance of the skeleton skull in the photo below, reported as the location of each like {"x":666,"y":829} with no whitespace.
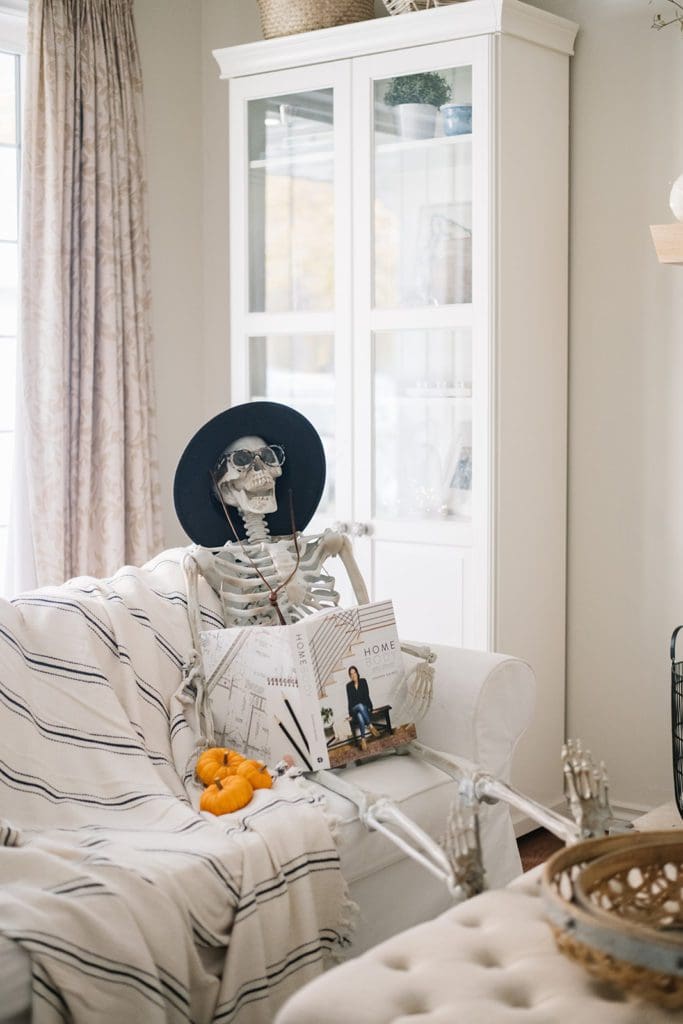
{"x":251,"y":489}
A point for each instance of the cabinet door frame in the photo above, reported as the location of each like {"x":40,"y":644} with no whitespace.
{"x":477,"y":536}
{"x":336,"y":322}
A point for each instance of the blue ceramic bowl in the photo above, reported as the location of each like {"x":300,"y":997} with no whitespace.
{"x":457,"y":118}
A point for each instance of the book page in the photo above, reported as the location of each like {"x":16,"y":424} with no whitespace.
{"x":316,"y":694}
{"x":253,"y":687}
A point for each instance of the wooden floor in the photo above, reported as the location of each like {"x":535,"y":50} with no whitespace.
{"x":536,"y":847}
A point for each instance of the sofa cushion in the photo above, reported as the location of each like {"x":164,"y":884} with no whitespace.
{"x":425,"y":794}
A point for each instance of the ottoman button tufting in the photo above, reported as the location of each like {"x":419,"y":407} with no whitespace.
{"x":485,"y":958}
{"x":515,"y":998}
{"x":395,"y":963}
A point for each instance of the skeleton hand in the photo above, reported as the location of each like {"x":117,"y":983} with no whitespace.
{"x":461,"y":846}
{"x":586,"y":789}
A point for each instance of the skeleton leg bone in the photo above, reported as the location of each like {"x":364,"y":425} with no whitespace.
{"x":486,"y":788}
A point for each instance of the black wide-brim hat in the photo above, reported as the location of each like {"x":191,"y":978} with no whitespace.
{"x":198,"y":508}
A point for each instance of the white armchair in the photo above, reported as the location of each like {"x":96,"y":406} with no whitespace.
{"x":482,"y":704}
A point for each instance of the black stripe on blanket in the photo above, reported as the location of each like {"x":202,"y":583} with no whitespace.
{"x":98,"y":627}
{"x":174,"y":596}
{"x":244,"y":824}
{"x":159,"y":989}
{"x":271,"y":888}
{"x":95,"y":624}
{"x":140,"y":615}
{"x":43,"y":989}
{"x":81,"y":884}
{"x":58,"y":667}
{"x":40,"y":787}
{"x":260,"y":987}
{"x":58,"y":733}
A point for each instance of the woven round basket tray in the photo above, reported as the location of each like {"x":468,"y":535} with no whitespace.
{"x":616,"y":906}
{"x":287,"y":17}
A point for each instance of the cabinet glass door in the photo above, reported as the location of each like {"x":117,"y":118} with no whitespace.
{"x":291,"y":202}
{"x":422,"y":400}
{"x":422,"y":155}
{"x":298,"y":370}
{"x":420,"y":330}
{"x":290,"y":256}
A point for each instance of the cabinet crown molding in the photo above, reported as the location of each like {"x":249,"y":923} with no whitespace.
{"x":458,"y":21}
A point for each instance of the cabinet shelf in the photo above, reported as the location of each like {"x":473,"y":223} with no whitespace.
{"x":406,"y":145}
{"x":320,"y":156}
{"x":429,"y":394}
{"x":300,"y":399}
{"x":397,"y":145}
{"x":668,"y":240}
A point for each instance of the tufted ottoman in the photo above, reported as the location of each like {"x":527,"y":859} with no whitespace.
{"x":491,"y":960}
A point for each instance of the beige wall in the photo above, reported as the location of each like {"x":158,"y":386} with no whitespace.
{"x":626,"y":338}
{"x":224,"y":23}
{"x":169,"y":37}
{"x":186,"y":108}
{"x":626,"y":380}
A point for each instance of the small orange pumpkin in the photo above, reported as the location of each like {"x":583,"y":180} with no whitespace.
{"x":216,"y":763}
{"x":226,"y":795}
{"x":256,"y":773}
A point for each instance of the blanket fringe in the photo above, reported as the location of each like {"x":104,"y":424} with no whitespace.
{"x":349,"y":914}
{"x":349,"y":911}
{"x":9,"y":835}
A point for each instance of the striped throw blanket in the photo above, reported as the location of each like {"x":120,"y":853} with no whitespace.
{"x":132,"y":906}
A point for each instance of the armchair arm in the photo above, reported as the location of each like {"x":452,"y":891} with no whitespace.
{"x":482,"y":704}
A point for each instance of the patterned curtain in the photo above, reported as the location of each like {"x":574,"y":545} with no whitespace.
{"x":88,"y":392}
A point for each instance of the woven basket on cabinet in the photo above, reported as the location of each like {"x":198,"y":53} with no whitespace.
{"x":287,"y":17}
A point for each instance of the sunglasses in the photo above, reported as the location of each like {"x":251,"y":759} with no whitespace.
{"x":243,"y":459}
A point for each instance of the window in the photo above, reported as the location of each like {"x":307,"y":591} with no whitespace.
{"x":12,"y":31}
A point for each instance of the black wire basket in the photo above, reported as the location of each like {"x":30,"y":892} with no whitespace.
{"x":677,"y":721}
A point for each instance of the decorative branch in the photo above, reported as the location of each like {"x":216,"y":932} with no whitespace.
{"x":660,"y":22}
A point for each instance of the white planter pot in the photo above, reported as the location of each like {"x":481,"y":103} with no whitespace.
{"x":416,"y":120}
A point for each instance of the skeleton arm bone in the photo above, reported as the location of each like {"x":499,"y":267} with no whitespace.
{"x":332,"y":544}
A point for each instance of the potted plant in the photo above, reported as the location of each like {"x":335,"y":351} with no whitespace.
{"x":327,"y":716}
{"x":417,"y":99}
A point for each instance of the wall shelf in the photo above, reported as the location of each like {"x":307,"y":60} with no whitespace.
{"x":668,"y":239}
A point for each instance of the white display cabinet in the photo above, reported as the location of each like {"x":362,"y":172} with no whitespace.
{"x":400,"y":277}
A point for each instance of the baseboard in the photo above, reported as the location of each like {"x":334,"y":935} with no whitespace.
{"x":523,"y":823}
{"x":630,"y":811}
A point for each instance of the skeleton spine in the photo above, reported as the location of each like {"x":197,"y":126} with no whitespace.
{"x":255,"y":526}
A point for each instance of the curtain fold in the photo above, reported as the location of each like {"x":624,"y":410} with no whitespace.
{"x":86,"y":352}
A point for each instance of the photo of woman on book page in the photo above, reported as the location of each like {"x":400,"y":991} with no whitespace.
{"x":360,"y":705}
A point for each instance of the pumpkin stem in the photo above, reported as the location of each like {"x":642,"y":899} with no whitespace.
{"x":225,"y":757}
{"x":218,"y":784}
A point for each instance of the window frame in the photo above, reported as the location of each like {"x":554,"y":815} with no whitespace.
{"x":13,"y":25}
{"x":13,"y":16}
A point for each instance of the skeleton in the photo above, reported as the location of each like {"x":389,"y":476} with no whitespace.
{"x":265,"y":580}
{"x":238,"y":573}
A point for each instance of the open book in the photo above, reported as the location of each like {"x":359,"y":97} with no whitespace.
{"x":316,"y":694}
